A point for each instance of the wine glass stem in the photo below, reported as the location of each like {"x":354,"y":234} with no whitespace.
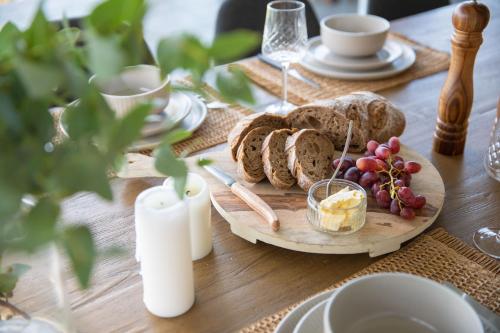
{"x":284,"y":70}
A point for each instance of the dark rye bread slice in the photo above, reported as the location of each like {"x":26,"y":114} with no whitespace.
{"x":324,"y":117}
{"x":249,"y":158}
{"x":275,"y":161}
{"x":245,"y":125}
{"x":309,"y":157}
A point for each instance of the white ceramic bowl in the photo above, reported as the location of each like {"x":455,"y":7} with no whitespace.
{"x":375,"y":300}
{"x":354,"y":35}
{"x":134,"y":85}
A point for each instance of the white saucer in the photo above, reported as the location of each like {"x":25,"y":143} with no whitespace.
{"x":190,"y":123}
{"x":312,"y":321}
{"x":291,"y":320}
{"x":179,"y":106}
{"x":401,"y":64}
{"x":389,"y":53}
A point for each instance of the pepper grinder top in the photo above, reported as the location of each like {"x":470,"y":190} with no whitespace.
{"x":455,"y":102}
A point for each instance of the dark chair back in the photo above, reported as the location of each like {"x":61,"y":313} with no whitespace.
{"x":394,"y":9}
{"x":251,"y":14}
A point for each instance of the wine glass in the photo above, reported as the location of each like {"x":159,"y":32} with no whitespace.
{"x":284,"y":41}
{"x":488,"y":239}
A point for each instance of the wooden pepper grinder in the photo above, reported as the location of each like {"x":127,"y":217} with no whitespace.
{"x":469,"y":19}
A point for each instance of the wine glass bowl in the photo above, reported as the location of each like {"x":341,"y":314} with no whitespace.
{"x":284,"y":40}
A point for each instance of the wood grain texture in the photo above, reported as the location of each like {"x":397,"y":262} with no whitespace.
{"x":382,"y":232}
{"x":455,"y":102}
{"x":239,"y":282}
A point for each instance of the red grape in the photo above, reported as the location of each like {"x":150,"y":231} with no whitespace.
{"x":419,"y":201}
{"x":412,"y":166}
{"x":368,"y":178}
{"x":395,"y":209}
{"x":346,"y":164}
{"x":366,"y":164}
{"x":368,"y":154}
{"x":397,"y":158}
{"x":340,"y":175}
{"x":400,"y":165}
{"x":371,"y":146}
{"x":407,"y":213}
{"x":405,"y":194}
{"x":381,"y":165}
{"x":399,"y":183}
{"x":383,"y":199}
{"x":406,"y":177}
{"x":382,"y":152}
{"x":393,"y":144}
{"x":352,"y":174}
{"x":375,"y":187}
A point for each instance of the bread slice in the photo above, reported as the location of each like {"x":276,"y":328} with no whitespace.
{"x":327,"y":117}
{"x":249,"y":158}
{"x":275,"y":161}
{"x":248,"y":123}
{"x":309,"y":157}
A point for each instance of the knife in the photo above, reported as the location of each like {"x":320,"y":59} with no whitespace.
{"x":293,"y":72}
{"x":490,"y":321}
{"x":250,"y":198}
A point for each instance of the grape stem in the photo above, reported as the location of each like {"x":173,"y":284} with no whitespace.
{"x":393,"y":190}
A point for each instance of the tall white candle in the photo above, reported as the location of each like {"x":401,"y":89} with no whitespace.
{"x":164,"y":246}
{"x":198,"y":199}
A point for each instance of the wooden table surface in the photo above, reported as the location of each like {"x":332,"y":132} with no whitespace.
{"x":239,"y":282}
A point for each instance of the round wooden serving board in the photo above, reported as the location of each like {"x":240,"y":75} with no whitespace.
{"x":382,"y":233}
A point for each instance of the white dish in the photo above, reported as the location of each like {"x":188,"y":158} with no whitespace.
{"x":312,"y":321}
{"x":405,"y":61}
{"x":288,"y":323}
{"x":388,"y":54}
{"x":177,"y":109}
{"x":191,"y":123}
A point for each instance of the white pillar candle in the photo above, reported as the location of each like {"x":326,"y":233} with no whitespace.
{"x":198,"y":199}
{"x":164,"y":244}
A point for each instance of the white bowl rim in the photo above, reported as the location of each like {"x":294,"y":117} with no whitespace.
{"x":165,"y":82}
{"x":385,"y":22}
{"x":326,"y":313}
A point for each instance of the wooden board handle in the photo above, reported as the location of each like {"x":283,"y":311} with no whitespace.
{"x":257,"y":204}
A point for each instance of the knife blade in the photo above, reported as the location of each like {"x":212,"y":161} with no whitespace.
{"x":292,"y":72}
{"x":490,"y":321}
{"x":250,"y":198}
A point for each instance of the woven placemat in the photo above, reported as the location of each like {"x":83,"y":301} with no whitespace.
{"x":435,"y":255}
{"x":428,"y":61}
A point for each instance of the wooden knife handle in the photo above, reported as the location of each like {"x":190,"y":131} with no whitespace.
{"x":257,"y":204}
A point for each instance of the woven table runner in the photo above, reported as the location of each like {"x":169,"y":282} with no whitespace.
{"x":428,"y":61}
{"x":435,"y":255}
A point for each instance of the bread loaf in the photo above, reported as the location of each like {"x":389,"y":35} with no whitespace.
{"x":248,"y":123}
{"x":249,"y":156}
{"x":309,"y":157}
{"x":275,"y":161}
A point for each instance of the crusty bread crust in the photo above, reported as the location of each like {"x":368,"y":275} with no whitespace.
{"x":275,"y":161}
{"x":249,"y":158}
{"x":245,"y":125}
{"x":309,"y":157}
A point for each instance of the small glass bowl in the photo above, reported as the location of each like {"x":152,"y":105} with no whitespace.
{"x":357,"y":214}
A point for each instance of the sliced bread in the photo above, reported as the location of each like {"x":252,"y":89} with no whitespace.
{"x":249,"y":158}
{"x":275,"y":161}
{"x":248,"y":123}
{"x":309,"y":157}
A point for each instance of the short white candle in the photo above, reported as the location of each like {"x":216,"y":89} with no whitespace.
{"x":198,"y":199}
{"x":164,"y":244}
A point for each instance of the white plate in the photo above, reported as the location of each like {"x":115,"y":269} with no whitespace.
{"x":401,"y":64}
{"x":191,"y":123}
{"x":291,"y":320}
{"x":179,"y":106}
{"x":312,"y":321}
{"x":389,"y":53}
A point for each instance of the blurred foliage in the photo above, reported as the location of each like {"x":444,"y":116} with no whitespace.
{"x":42,"y":67}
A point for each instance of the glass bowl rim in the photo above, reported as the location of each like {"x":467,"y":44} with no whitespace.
{"x":314,"y":203}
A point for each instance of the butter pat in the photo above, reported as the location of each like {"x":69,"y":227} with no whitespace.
{"x":341,"y":209}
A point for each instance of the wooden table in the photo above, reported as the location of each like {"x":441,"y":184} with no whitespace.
{"x":240,"y":282}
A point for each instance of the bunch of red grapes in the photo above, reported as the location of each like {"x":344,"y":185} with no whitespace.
{"x":387,"y":175}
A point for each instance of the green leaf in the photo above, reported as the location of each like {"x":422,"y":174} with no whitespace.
{"x":234,"y":85}
{"x":128,"y":129}
{"x":233,"y":45}
{"x":8,"y":282}
{"x":19,"y":269}
{"x":79,"y":245}
{"x":105,"y":55}
{"x":68,"y":37}
{"x":167,"y":163}
{"x":176,"y":135}
{"x":203,"y":161}
{"x":39,"y":79}
{"x":9,"y":33}
{"x":109,"y":16}
{"x":40,"y":223}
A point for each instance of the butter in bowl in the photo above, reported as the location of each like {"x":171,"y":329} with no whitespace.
{"x":342,"y":212}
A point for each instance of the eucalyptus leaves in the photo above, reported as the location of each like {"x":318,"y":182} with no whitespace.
{"x":42,"y":67}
